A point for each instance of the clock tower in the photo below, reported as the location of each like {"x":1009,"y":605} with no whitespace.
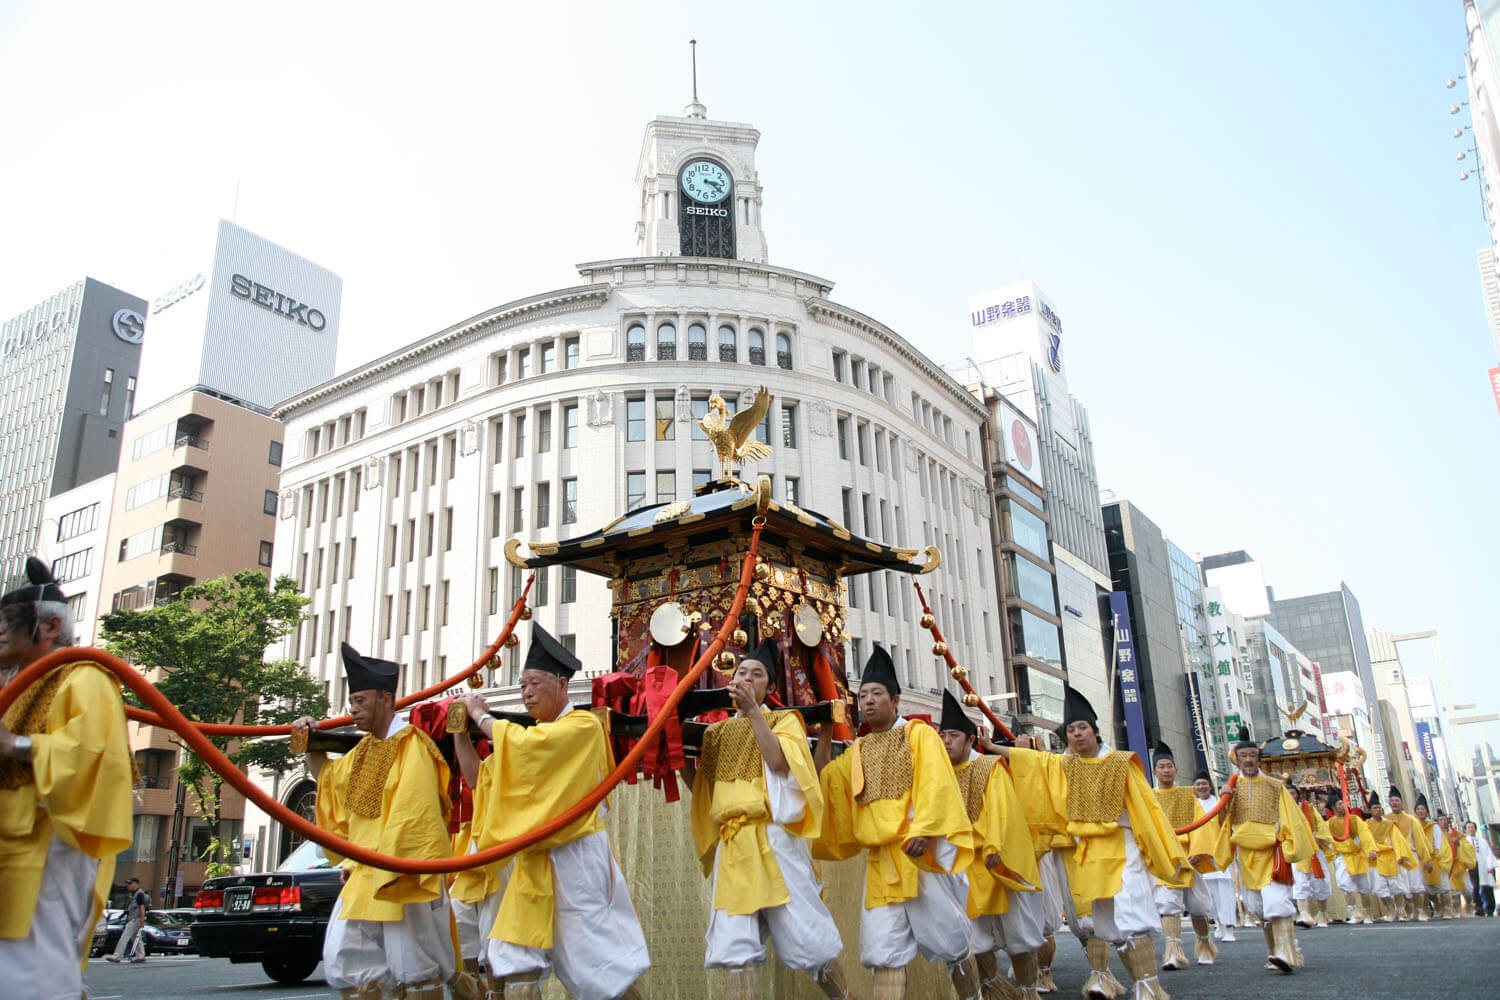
{"x":700,"y":196}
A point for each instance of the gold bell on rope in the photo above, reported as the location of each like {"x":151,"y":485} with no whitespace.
{"x":726,"y":659}
{"x":959,"y":673}
{"x":971,"y":699}
{"x":739,"y":638}
{"x":762,"y":572}
{"x":939,"y":649}
{"x":512,"y":641}
{"x":526,"y":612}
{"x":475,"y":681}
{"x":927,"y":620}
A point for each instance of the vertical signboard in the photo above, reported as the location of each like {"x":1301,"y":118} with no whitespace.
{"x":1125,"y":674}
{"x":1424,"y":740}
{"x":1232,"y":729}
{"x":1195,"y":717}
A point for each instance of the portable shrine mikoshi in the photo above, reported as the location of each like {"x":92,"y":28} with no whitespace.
{"x":1306,"y":763}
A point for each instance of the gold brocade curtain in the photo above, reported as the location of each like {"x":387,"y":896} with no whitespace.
{"x":653,"y":842}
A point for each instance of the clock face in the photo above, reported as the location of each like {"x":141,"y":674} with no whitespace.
{"x":705,"y":182}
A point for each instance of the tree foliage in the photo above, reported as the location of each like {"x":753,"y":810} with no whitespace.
{"x":210,"y":648}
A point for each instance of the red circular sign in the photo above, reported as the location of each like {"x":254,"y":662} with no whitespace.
{"x":1020,"y":438}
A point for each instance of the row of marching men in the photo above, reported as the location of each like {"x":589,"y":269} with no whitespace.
{"x":969,"y":858}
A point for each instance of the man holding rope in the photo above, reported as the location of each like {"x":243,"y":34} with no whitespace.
{"x":1353,"y":851}
{"x":389,"y":934}
{"x":1180,"y":803}
{"x":565,"y":907}
{"x":65,"y":796}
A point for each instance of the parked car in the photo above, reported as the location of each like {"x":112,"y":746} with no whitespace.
{"x":277,"y":919}
{"x":166,"y":933}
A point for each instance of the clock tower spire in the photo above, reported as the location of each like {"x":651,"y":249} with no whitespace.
{"x":700,"y":196}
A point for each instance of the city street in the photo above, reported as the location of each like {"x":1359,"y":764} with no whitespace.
{"x":1453,"y":961}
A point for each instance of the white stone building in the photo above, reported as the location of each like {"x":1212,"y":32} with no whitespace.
{"x":552,"y":415}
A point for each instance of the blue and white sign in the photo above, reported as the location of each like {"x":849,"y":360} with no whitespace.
{"x":1009,"y":309}
{"x":1126,"y":671}
{"x":1195,"y":717}
{"x":1424,"y":739}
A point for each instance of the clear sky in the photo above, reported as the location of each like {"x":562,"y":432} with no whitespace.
{"x":1248,"y":215}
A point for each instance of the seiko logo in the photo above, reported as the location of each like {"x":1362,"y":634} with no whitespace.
{"x":177,"y":294}
{"x":129,"y":326}
{"x":717,"y":213}
{"x":282,"y":305}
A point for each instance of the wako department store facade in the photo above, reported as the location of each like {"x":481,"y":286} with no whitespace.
{"x":552,"y":415}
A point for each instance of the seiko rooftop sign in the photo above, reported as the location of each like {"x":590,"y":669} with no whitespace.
{"x":282,"y":305}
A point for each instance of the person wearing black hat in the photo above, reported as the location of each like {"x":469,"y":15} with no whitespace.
{"x":1353,"y":847}
{"x":1265,"y":833}
{"x":1439,"y":863}
{"x":1311,"y":885}
{"x":1463,"y":863}
{"x":756,"y":801}
{"x":566,"y":908}
{"x":1393,"y":858}
{"x":65,"y":795}
{"x":1220,"y":883}
{"x":1180,"y":805}
{"x":1413,"y":885}
{"x":389,"y":794}
{"x":1100,"y":797}
{"x":1004,"y":884}
{"x":892,"y":795}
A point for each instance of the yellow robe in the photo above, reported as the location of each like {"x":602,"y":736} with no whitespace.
{"x":410,"y":819}
{"x":1463,"y":863}
{"x":1441,"y":856}
{"x":79,"y":787}
{"x":731,"y":808}
{"x":1408,"y":827}
{"x":1318,"y":828}
{"x":1356,"y":848}
{"x":534,"y":774}
{"x":929,"y":806}
{"x":1096,"y":867}
{"x":1180,"y":804}
{"x":1253,"y":842}
{"x":1392,"y":849}
{"x":1000,"y":828}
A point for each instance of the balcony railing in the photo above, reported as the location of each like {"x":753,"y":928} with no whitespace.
{"x":697,"y":352}
{"x":728,"y":352}
{"x":757,"y":355}
{"x":156,"y":781}
{"x":167,"y":548}
{"x":192,"y":441}
{"x":784,"y":360}
{"x":635,"y":352}
{"x":183,"y":493}
{"x":666,"y":352}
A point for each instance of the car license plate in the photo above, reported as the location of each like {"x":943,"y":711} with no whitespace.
{"x":182,"y":940}
{"x":239,"y":901}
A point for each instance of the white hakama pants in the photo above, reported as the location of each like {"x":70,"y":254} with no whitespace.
{"x":47,"y":963}
{"x":935,"y":923}
{"x":474,"y":921}
{"x":1271,"y":902}
{"x":1196,"y":900}
{"x":1055,"y":892}
{"x":1347,"y":880}
{"x":1221,"y":889}
{"x":1306,"y":885}
{"x":1412,"y":883}
{"x":418,"y":948}
{"x":1386,"y":887}
{"x":1128,"y":914}
{"x":598,"y":949}
{"x":806,"y":937}
{"x":1020,"y":929}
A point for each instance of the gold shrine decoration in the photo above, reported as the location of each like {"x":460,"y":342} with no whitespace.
{"x":734,"y":438}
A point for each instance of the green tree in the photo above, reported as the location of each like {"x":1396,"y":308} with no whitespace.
{"x":210,"y":648}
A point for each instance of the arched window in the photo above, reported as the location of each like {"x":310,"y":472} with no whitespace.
{"x":727,"y":349}
{"x":666,"y":342}
{"x":757,"y":347}
{"x":784,"y":351}
{"x":697,"y":342}
{"x":635,"y":343}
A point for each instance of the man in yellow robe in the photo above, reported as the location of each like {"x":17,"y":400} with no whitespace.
{"x":1267,"y":834}
{"x":1463,"y":863}
{"x":892,"y":795}
{"x":1100,"y":798}
{"x":1311,"y":883}
{"x":389,"y":933}
{"x":565,"y":908}
{"x":1413,"y":884}
{"x":1352,"y":847}
{"x":756,"y":803}
{"x":1439,"y":863}
{"x":65,"y":797}
{"x":1004,"y":884}
{"x":1180,"y":804}
{"x":1393,"y":857}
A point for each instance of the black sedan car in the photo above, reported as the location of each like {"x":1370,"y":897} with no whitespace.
{"x":277,"y":919}
{"x":166,"y":933}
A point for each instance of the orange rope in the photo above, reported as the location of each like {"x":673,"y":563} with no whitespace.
{"x":517,"y":612}
{"x":1218,"y":807}
{"x":963,"y":680}
{"x":407,"y":866}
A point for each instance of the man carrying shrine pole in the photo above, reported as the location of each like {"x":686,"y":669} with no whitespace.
{"x":1392,"y":857}
{"x":1413,"y":894}
{"x":1353,"y":851}
{"x":1180,"y":804}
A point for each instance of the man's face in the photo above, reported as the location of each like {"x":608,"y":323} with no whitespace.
{"x":1420,"y":812}
{"x":1203,"y":788}
{"x":1470,"y":829}
{"x":1166,"y":772}
{"x":1248,"y":760}
{"x":543,"y":694}
{"x":878,"y":706}
{"x":754,"y":672}
{"x":958,"y":742}
{"x":21,"y":642}
{"x":1377,"y":811}
{"x":1396,"y":803}
{"x":370,"y":707}
{"x":1083,"y":739}
{"x":1445,"y":823}
{"x":1338,"y":807}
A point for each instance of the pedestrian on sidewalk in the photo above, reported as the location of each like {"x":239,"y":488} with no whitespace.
{"x":133,"y":936}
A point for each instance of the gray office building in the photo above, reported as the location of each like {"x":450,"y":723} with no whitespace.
{"x":68,"y":367}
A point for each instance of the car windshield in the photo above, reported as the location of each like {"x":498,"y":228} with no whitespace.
{"x":163,"y":918}
{"x":307,"y":857}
